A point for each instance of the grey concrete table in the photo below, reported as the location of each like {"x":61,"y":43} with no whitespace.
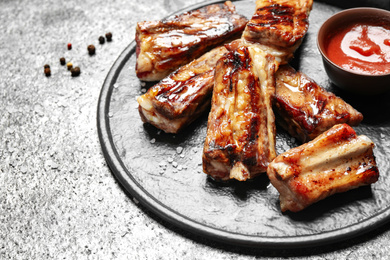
{"x":58,"y":198}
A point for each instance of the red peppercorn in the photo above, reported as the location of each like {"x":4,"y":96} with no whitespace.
{"x":69,"y":46}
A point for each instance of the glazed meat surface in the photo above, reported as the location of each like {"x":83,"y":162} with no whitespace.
{"x":304,"y":109}
{"x":336,"y":161}
{"x":279,"y":26}
{"x":240,"y":139}
{"x":183,"y":96}
{"x":163,"y":46}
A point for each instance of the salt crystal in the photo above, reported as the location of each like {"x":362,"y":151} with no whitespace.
{"x":23,"y":168}
{"x":162,"y":164}
{"x":174,"y":164}
{"x":153,"y":141}
{"x":179,"y":149}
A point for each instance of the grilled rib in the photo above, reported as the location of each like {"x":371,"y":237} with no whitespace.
{"x":240,"y":139}
{"x":163,"y":46}
{"x":279,"y":26}
{"x":305,"y":110}
{"x":336,"y":161}
{"x":183,"y":96}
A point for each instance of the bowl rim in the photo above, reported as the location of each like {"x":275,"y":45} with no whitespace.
{"x":334,"y":18}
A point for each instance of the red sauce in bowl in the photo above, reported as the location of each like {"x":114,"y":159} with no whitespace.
{"x":362,"y":47}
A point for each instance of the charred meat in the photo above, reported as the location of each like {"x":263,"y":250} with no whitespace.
{"x":305,"y":110}
{"x":240,"y":141}
{"x":183,"y":96}
{"x":163,"y":46}
{"x":279,"y":26}
{"x":336,"y":161}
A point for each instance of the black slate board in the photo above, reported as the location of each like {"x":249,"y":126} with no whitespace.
{"x":164,"y":171}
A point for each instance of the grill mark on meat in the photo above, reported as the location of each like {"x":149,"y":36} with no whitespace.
{"x":305,"y":109}
{"x":180,"y":98}
{"x":163,"y":46}
{"x":336,"y":161}
{"x":273,"y":15}
{"x":237,"y":144}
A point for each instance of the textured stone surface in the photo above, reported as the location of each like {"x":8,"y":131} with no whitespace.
{"x":58,"y":198}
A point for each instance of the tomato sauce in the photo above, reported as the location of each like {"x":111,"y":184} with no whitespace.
{"x":362,"y":47}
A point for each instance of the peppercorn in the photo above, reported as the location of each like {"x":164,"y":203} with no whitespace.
{"x":91,"y":49}
{"x":69,"y":46}
{"x":69,"y":65}
{"x":75,"y":72}
{"x":62,"y":61}
{"x":101,"y":40}
{"x":46,"y":66}
{"x":47,"y":71}
{"x":109,"y":36}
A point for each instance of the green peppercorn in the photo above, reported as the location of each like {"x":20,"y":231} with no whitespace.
{"x":62,"y":61}
{"x":75,"y":72}
{"x":91,"y":49}
{"x":101,"y":40}
{"x":109,"y":36}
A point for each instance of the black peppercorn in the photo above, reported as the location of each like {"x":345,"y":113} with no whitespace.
{"x":91,"y":49}
{"x":62,"y":61}
{"x":47,"y":72}
{"x":46,"y":66}
{"x":109,"y":36}
{"x":75,"y":72}
{"x":101,"y":40}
